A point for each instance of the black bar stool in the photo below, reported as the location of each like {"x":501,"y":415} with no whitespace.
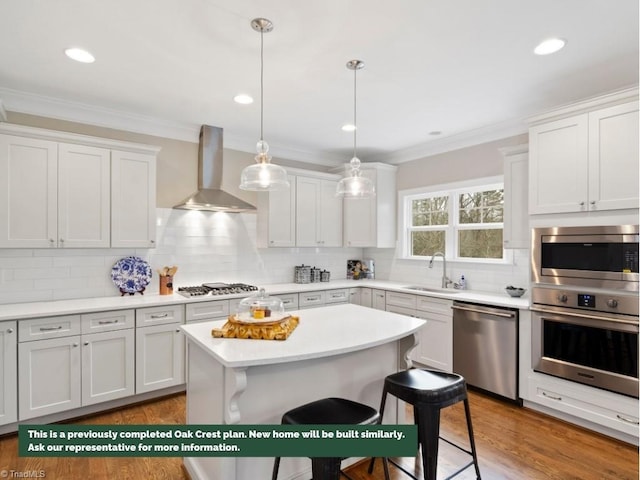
{"x":326,"y":412}
{"x":429,"y":391}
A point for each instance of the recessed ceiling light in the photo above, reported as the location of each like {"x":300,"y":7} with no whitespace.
{"x":348,"y":128}
{"x":243,"y":99}
{"x":551,"y":45}
{"x":79,"y":55}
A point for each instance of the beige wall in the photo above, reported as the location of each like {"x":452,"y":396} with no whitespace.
{"x":477,"y":161}
{"x":177,"y":165}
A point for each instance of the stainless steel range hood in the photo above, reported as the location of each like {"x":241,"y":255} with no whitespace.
{"x":210,"y":195}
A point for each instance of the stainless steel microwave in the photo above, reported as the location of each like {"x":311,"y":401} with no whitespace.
{"x":598,"y":257}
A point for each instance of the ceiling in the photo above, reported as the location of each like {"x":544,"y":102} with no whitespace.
{"x":464,"y":68}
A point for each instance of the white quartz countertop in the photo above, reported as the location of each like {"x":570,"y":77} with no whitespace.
{"x":17,"y":311}
{"x":322,"y":331}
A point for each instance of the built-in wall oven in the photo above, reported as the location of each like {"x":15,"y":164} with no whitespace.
{"x":585,"y":305}
{"x":587,"y":337}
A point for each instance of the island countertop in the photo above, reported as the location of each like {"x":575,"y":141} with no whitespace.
{"x":322,"y":332}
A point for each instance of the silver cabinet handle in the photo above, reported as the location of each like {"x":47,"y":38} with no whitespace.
{"x":582,"y":204}
{"x":10,"y":330}
{"x":107,"y":322}
{"x":52,"y":241}
{"x":62,"y":240}
{"x":50,"y":329}
{"x":75,"y":344}
{"x":178,"y":331}
{"x":491,"y":313}
{"x":628,"y":420}
{"x":86,"y":343}
{"x":552,"y":397}
{"x":160,"y":315}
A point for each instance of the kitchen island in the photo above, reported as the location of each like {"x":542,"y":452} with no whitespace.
{"x":341,"y":351}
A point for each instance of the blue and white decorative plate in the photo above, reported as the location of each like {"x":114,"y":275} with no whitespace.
{"x":131,"y":275}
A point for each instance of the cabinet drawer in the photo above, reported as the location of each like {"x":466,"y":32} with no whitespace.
{"x":337,"y":296}
{"x":435,"y":305}
{"x":49,"y":327}
{"x":310,"y":299}
{"x":402,"y":310}
{"x":106,"y":321}
{"x":159,"y":315}
{"x":199,"y":312}
{"x":401,"y":300}
{"x":290,"y":301}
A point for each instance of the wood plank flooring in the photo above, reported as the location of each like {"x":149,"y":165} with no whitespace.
{"x":513,"y":443}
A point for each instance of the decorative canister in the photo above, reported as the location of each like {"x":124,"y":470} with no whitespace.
{"x":325,"y":276}
{"x":302,"y":274}
{"x":315,"y":275}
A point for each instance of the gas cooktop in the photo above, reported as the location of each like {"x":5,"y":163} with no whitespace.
{"x":214,"y":289}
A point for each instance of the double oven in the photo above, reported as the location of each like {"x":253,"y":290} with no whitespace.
{"x":585,"y":305}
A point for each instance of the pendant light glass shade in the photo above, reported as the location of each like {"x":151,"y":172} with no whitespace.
{"x":263,"y":175}
{"x":354,"y":185}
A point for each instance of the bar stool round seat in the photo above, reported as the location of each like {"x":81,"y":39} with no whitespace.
{"x":429,"y":391}
{"x":329,"y":411}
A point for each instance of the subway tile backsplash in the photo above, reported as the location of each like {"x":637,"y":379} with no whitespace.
{"x":206,"y":247}
{"x":219,"y":247}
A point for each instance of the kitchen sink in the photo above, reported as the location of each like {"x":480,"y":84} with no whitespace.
{"x":432,"y":289}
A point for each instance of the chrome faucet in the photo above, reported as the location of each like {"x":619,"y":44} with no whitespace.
{"x":445,"y":280}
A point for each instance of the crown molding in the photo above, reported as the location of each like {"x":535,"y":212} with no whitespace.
{"x":468,"y":138}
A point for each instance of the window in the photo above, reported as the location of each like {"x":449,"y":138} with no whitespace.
{"x":463,"y":222}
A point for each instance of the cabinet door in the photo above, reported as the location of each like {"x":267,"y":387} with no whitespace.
{"x":330,"y":215}
{"x":355,"y":296}
{"x":379,"y":299}
{"x":436,"y":337}
{"x":558,"y":166}
{"x":28,"y":192}
{"x":49,"y":376}
{"x":133,"y":200}
{"x":359,"y":222}
{"x":281,"y":216}
{"x":160,"y":357}
{"x":613,"y":158}
{"x":516,"y":195}
{"x":107,"y":366}
{"x":308,"y":206}
{"x":84,"y":208}
{"x":9,"y":372}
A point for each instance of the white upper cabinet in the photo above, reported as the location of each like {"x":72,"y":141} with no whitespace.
{"x":516,"y":197}
{"x":613,"y":158}
{"x":585,"y":161}
{"x":83,"y":196}
{"x":318,"y":213}
{"x":62,"y":190}
{"x":308,"y":214}
{"x":277,"y":217}
{"x":28,"y":192}
{"x":133,"y":199}
{"x":371,"y":222}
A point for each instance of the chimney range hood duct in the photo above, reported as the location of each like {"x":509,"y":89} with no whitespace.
{"x":210,"y":196}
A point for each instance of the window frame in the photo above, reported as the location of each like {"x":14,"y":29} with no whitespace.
{"x":453,"y":191}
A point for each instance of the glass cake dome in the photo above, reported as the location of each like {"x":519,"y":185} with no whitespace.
{"x":260,"y":307}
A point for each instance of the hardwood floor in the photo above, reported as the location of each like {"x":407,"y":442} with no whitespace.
{"x":513,"y":443}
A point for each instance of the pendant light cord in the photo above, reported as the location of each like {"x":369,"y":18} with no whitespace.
{"x":355,"y":125}
{"x":261,"y":83}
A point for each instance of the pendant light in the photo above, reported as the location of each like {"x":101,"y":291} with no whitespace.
{"x":355,"y":185}
{"x":263,"y":176}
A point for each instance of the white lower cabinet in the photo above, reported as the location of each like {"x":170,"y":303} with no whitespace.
{"x":107,"y":366}
{"x":436,"y":337}
{"x":378,"y":299}
{"x":9,"y":371}
{"x":60,"y":367}
{"x":160,"y":348}
{"x":311,"y":299}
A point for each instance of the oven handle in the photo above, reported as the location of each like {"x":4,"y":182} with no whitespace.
{"x":582,"y":315}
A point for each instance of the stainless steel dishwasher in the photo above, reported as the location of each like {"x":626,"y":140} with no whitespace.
{"x":485,"y":347}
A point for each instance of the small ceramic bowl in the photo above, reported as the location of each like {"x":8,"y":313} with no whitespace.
{"x":515,"y":291}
